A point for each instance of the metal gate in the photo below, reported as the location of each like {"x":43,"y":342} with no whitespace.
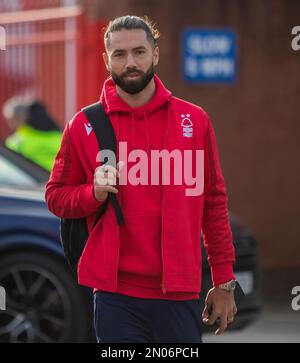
{"x":43,"y":52}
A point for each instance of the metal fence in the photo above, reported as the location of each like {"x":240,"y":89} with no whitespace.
{"x":41,"y":58}
{"x":19,"y":5}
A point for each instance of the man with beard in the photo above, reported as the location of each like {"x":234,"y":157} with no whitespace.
{"x":146,"y":274}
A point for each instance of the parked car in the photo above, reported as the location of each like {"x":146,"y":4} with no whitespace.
{"x":16,"y":171}
{"x":44,"y":301}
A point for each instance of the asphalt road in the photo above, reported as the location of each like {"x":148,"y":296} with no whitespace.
{"x":276,"y":324}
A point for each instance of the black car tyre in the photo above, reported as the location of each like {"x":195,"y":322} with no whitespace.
{"x":43,"y":301}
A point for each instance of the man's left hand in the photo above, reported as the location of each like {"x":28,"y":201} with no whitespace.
{"x":219,"y":304}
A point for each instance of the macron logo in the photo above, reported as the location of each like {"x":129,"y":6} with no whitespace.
{"x":88,"y":128}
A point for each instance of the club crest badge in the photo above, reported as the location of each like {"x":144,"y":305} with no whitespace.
{"x":187,"y":125}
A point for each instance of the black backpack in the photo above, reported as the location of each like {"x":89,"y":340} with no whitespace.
{"x":74,"y":232}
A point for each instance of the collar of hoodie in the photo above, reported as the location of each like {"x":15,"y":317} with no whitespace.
{"x":114,"y":105}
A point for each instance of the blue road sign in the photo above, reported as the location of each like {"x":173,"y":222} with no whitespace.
{"x":209,"y":55}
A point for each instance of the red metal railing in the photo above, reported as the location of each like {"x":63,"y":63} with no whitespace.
{"x":19,"y":5}
{"x":53,"y":55}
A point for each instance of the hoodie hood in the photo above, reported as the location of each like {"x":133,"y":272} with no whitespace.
{"x":112,"y":102}
{"x":114,"y":106}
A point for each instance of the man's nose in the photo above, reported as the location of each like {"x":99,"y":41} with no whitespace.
{"x":130,"y":62}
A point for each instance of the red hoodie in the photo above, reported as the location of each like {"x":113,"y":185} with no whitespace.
{"x":157,"y":252}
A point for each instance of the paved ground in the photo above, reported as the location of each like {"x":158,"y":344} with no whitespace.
{"x":276,"y":324}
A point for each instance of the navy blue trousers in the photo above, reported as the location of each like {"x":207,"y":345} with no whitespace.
{"x":125,"y":319}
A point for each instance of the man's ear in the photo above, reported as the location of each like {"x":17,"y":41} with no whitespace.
{"x":105,"y":58}
{"x":156,"y":56}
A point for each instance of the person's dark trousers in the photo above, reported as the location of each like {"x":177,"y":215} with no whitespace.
{"x":124,"y":319}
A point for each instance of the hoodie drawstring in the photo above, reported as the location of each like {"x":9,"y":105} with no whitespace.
{"x":132,"y":130}
{"x":133,"y":133}
{"x":147,"y":131}
{"x":147,"y":128}
{"x":169,"y":109}
{"x":118,"y":126}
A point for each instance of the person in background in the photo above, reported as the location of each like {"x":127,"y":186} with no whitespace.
{"x":36,"y":134}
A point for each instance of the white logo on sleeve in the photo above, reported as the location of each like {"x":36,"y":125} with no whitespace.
{"x":187,"y":125}
{"x":88,"y":128}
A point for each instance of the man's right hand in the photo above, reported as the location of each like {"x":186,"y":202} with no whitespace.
{"x":105,"y":180}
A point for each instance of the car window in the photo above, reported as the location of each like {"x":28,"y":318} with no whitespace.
{"x":12,"y":176}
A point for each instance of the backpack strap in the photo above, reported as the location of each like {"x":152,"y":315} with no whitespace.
{"x":106,"y":137}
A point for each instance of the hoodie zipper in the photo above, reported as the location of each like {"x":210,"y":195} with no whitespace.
{"x":162,"y":214}
{"x":118,"y":258}
{"x":162,"y":244}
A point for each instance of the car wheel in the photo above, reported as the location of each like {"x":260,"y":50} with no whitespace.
{"x":43,"y":302}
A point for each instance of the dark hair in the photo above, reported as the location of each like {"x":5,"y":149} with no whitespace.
{"x":31,"y":112}
{"x":39,"y":118}
{"x":130,"y":22}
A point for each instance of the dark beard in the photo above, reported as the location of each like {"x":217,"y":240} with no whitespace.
{"x":133,"y":87}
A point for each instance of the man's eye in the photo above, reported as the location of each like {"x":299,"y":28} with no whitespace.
{"x":140,"y":51}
